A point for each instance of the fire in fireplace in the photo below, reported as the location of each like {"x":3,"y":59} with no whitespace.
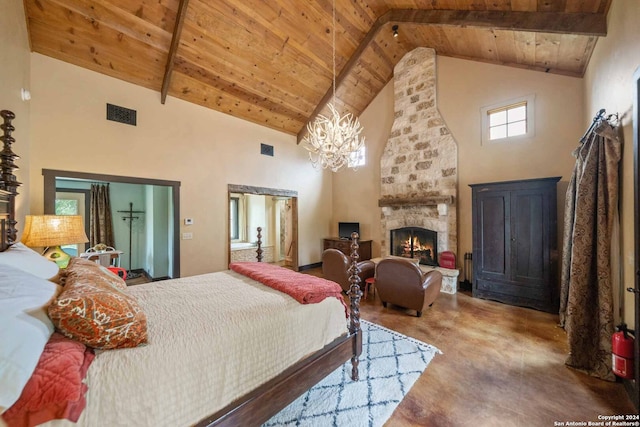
{"x":415,"y":242}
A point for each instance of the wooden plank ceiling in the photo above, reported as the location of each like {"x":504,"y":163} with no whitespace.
{"x":270,"y":61}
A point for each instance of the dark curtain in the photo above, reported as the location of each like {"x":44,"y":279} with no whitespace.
{"x":100,"y":224}
{"x":586,"y":296}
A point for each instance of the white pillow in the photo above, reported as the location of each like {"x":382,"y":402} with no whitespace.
{"x":26,"y":259}
{"x":25,"y":328}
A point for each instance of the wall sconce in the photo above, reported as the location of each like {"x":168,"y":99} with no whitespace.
{"x":395,"y":31}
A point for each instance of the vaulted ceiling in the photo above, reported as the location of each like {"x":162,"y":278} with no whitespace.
{"x":270,"y":61}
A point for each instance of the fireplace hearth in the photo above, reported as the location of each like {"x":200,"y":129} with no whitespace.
{"x":415,"y":242}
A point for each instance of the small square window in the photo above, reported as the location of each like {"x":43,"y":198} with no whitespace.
{"x":508,"y":120}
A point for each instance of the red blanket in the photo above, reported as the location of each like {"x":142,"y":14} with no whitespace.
{"x":56,"y":389}
{"x":304,"y":288}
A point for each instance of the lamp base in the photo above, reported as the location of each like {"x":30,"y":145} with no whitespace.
{"x":57,"y":255}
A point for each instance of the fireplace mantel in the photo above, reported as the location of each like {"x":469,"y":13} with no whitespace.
{"x":415,"y":201}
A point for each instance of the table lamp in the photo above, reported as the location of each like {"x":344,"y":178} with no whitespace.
{"x":51,"y":231}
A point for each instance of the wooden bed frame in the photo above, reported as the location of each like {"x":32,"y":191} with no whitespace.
{"x":267,"y":400}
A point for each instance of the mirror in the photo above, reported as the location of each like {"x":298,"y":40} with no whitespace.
{"x":275,"y":212}
{"x":148,"y":236}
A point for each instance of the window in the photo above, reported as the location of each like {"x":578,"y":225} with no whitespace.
{"x":509,"y":120}
{"x":357,"y":158}
{"x":69,"y":207}
{"x":235,"y":217}
{"x":66,"y":207}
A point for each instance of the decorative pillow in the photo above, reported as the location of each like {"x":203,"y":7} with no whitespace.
{"x":24,"y":328}
{"x":96,"y":313}
{"x":83,"y":268}
{"x":56,"y":389}
{"x":25,"y":259}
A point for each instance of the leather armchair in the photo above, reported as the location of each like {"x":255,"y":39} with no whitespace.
{"x":335,"y":267}
{"x":401,"y":282}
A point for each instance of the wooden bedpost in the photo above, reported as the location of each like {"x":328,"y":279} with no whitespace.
{"x":354,"y":296}
{"x":259,"y":250}
{"x":8,"y":181}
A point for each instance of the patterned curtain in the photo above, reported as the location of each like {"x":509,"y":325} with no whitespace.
{"x":100,"y":224}
{"x":586,"y":296}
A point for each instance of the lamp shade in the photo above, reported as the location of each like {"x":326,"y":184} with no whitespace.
{"x":53,"y":230}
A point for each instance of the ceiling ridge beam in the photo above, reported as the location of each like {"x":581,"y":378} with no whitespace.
{"x":175,"y":39}
{"x":585,"y":24}
{"x":591,"y":24}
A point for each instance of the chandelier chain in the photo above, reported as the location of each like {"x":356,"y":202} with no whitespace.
{"x":333,"y":140}
{"x":333,"y":51}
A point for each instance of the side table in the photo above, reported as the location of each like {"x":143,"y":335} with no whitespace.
{"x":369,"y":283}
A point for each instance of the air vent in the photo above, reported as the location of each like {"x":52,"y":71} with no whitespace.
{"x":267,"y":150}
{"x":121,"y":114}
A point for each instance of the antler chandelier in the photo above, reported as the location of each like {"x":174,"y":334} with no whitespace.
{"x":331,"y":141}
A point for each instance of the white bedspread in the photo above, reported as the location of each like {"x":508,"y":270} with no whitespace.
{"x":212,"y":339}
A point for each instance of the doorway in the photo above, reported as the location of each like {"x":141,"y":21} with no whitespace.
{"x":275,"y":211}
{"x":151,"y":240}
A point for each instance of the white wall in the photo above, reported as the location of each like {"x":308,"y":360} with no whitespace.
{"x":203,"y":149}
{"x":356,"y":193}
{"x":15,"y":75}
{"x":158,"y":220}
{"x":608,"y":84}
{"x":463,"y":88}
{"x":255,"y":205}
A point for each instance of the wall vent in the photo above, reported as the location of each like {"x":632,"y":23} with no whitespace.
{"x":267,"y":150}
{"x":121,"y":114}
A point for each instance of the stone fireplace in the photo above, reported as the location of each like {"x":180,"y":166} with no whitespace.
{"x":418,"y":168}
{"x":415,"y":242}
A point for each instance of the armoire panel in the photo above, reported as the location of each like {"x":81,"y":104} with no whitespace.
{"x":515,"y":242}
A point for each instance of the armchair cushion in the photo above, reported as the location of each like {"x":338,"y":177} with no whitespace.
{"x":335,"y":267}
{"x":401,"y":282}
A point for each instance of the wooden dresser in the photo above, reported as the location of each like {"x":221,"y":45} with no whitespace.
{"x":515,"y":242}
{"x":344,"y":246}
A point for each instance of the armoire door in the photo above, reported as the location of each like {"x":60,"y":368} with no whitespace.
{"x":493,"y":262}
{"x":529,"y":245}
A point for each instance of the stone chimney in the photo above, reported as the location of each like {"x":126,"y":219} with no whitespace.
{"x":418,"y":167}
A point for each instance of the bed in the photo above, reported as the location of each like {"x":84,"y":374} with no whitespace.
{"x":221,"y":348}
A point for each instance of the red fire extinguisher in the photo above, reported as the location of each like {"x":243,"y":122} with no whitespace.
{"x":622,"y":352}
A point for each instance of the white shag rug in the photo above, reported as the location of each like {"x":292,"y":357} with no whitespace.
{"x":390,"y":364}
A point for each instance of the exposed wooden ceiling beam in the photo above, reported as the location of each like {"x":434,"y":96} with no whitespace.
{"x":177,"y":30}
{"x":588,"y":24}
{"x":545,"y":22}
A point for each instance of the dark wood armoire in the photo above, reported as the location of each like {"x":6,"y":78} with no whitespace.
{"x":515,"y":252}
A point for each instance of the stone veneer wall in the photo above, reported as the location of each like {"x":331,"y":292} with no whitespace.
{"x":420,"y":158}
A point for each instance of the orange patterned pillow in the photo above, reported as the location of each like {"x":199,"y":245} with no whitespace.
{"x":97,"y":314}
{"x":79,"y":267}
